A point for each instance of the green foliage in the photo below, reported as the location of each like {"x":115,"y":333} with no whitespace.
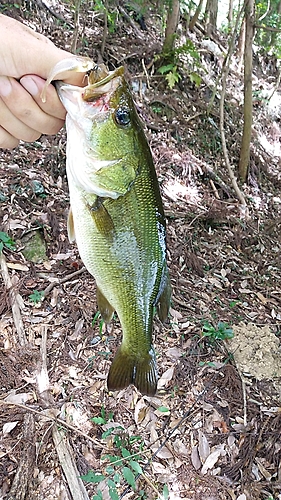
{"x":6,"y":241}
{"x":36,"y":296}
{"x":123,"y":463}
{"x":220,"y":332}
{"x":107,"y":8}
{"x":185,"y":56}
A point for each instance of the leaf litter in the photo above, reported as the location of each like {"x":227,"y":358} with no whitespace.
{"x":223,"y":416}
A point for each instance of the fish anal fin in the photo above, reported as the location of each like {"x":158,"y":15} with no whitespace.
{"x":127,"y":369}
{"x":104,"y":306}
{"x":163,"y":304}
{"x":70,"y":226}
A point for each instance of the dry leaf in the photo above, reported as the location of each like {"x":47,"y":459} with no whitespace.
{"x":203,"y":447}
{"x":166,"y":377}
{"x":141,"y":410}
{"x":20,"y":398}
{"x":9,"y":426}
{"x":212,"y":459}
{"x":195,"y":459}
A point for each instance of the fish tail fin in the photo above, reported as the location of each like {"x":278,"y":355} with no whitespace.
{"x":127,"y":369}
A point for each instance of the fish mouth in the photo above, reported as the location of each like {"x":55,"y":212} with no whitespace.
{"x":95,"y":98}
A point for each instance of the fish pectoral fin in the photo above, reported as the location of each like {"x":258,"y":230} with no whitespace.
{"x":163,"y":304}
{"x":127,"y":369}
{"x":104,"y":306}
{"x":70,"y":226}
{"x":101,"y":217}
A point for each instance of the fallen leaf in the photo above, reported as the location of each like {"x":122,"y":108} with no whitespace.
{"x":9,"y":426}
{"x":166,"y":377}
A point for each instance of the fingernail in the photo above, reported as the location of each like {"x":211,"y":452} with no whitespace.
{"x":5,"y":86}
{"x":29,"y":84}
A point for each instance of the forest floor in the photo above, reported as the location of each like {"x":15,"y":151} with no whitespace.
{"x":213,"y":431}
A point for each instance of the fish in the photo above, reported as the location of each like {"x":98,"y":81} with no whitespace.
{"x":116,"y":214}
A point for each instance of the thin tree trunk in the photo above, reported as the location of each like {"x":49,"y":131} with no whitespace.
{"x":196,"y":15}
{"x":248,"y":104}
{"x":230,"y":15}
{"x":171,"y":27}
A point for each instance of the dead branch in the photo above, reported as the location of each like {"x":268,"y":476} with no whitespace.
{"x":24,"y":474}
{"x":63,"y":448}
{"x":50,"y":287}
{"x":14,"y":300}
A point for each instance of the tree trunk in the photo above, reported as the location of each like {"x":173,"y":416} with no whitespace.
{"x":211,"y":14}
{"x":230,"y":15}
{"x":171,"y":27}
{"x":248,"y":104}
{"x":196,"y":15}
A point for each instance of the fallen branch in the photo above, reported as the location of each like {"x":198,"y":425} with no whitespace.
{"x":14,"y":300}
{"x":50,"y":287}
{"x":63,"y":448}
{"x":24,"y":474}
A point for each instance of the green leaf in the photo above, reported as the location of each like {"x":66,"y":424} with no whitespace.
{"x":112,"y":490}
{"x":129,"y":476}
{"x":135,"y":466}
{"x":195,"y":78}
{"x":36,"y":296}
{"x":1,"y":246}
{"x":163,"y":409}
{"x":98,"y":496}
{"x":107,"y":433}
{"x":7,"y":241}
{"x":172,"y":78}
{"x":166,"y":69}
{"x":125,"y":453}
{"x":166,"y":492}
{"x":99,"y":420}
{"x":92,"y":477}
{"x":113,"y":459}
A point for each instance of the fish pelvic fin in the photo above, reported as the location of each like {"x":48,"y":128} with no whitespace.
{"x":127,"y":369}
{"x":105,"y":308}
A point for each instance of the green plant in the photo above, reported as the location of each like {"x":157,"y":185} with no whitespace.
{"x":36,"y":296}
{"x":6,"y":241}
{"x":185,"y":55}
{"x":123,"y":465}
{"x":220,"y":332}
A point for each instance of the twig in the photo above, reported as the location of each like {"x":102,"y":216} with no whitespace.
{"x":50,"y":287}
{"x":53,"y":419}
{"x":14,"y":300}
{"x":244,"y":402}
{"x":130,"y":21}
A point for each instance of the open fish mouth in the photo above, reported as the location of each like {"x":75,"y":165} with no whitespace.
{"x":95,"y":99}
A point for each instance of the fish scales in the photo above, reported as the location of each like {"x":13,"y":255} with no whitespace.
{"x":117,"y":218}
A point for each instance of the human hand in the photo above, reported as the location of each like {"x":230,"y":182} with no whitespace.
{"x":26,"y":59}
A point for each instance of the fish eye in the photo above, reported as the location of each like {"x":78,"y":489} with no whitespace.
{"x":122,"y":117}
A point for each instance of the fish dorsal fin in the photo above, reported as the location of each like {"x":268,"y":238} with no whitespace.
{"x":104,"y":306}
{"x":70,"y":226}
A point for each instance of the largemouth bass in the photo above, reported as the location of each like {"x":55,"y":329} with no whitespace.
{"x":116,"y":214}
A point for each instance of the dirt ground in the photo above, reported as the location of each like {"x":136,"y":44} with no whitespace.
{"x":213,"y":431}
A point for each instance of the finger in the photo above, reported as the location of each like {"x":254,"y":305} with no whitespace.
{"x":22,"y":116}
{"x":16,"y":127}
{"x":7,"y":141}
{"x":34,"y":86}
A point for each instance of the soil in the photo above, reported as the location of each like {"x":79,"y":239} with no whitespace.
{"x":213,"y":431}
